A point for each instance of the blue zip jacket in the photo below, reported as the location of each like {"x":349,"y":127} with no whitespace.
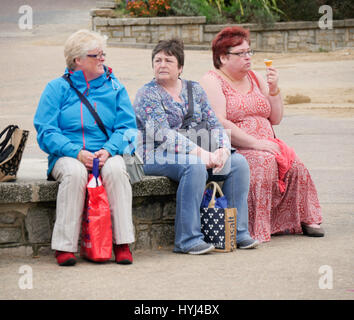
{"x":65,"y":126}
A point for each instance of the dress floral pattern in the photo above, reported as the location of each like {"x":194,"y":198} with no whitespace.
{"x":270,"y":211}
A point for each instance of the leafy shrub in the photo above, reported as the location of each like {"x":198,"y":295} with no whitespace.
{"x":239,"y":11}
{"x":299,"y":10}
{"x":256,"y":11}
{"x":307,"y":10}
{"x":247,"y":11}
{"x":198,"y":8}
{"x":342,"y":9}
{"x":184,"y":8}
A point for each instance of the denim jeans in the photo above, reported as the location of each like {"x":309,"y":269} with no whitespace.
{"x":192,"y":176}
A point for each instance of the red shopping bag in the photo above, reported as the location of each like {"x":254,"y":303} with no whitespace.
{"x":96,"y":239}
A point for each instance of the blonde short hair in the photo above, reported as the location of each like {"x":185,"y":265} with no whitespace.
{"x":80,"y":43}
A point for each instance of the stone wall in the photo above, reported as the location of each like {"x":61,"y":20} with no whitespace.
{"x":294,"y":36}
{"x":142,"y":31}
{"x":27,"y":213}
{"x":279,"y":37}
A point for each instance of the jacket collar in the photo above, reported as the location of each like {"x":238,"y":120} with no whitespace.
{"x":79,"y":80}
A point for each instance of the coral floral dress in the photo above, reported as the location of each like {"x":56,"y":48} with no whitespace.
{"x":270,"y":210}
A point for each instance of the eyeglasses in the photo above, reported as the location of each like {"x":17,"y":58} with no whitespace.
{"x":97,"y":55}
{"x":243,"y":53}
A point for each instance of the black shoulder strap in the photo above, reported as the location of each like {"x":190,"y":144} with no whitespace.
{"x":87,"y":104}
{"x":189,"y":116}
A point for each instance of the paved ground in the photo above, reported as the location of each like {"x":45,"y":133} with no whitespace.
{"x":288,"y":267}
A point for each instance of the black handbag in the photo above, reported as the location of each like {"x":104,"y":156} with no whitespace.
{"x":133,"y":163}
{"x":11,"y":150}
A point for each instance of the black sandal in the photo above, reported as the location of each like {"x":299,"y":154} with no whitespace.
{"x":312,"y":232}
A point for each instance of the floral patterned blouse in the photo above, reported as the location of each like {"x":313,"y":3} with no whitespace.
{"x":159,"y":117}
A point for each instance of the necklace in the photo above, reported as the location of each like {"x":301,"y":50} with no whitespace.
{"x":233,"y":84}
{"x":227,"y":76}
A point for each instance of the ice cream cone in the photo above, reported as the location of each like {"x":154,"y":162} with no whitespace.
{"x":268,"y":62}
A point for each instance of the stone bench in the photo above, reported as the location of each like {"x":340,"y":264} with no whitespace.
{"x":27,"y":213}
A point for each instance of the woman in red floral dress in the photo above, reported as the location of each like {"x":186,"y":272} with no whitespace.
{"x":282,"y":195}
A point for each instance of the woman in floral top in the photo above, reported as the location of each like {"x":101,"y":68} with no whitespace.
{"x":161,"y":107}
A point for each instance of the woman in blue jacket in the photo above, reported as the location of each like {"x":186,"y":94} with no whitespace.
{"x":68,"y":132}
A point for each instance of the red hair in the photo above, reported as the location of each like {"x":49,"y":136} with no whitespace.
{"x":227,"y":38}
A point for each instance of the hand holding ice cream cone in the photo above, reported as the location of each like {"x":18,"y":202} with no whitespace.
{"x":272,"y":77}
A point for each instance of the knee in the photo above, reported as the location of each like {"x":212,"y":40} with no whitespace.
{"x":191,"y":166}
{"x":76,"y":171}
{"x":196,"y":173}
{"x":298,"y":168}
{"x":114,"y":166}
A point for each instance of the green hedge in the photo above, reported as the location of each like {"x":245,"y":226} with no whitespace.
{"x":307,"y":10}
{"x":247,"y":11}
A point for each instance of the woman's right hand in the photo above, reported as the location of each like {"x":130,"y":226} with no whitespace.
{"x":86,"y":158}
{"x":215,"y":160}
{"x":208,"y":158}
{"x":221,"y":157}
{"x":267,"y":145}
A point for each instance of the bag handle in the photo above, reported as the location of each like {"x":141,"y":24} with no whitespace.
{"x":217,"y":188}
{"x":189,"y":116}
{"x":10,"y":130}
{"x":95,"y":168}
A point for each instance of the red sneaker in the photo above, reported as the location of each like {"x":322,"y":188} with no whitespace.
{"x":123,"y":254}
{"x":65,"y":258}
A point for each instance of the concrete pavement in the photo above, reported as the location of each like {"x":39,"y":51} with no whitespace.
{"x":288,"y":267}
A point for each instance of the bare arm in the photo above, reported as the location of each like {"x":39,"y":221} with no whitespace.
{"x":271,"y":87}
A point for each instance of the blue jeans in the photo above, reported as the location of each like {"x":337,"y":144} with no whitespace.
{"x":192,"y":176}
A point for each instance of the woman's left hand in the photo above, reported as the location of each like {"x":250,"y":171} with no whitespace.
{"x":272,"y":79}
{"x":102,"y":155}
